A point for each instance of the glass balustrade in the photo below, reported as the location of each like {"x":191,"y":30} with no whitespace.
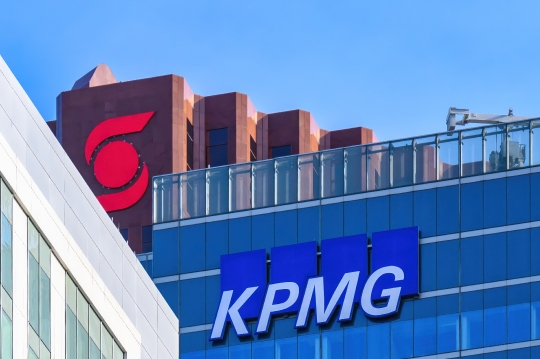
{"x":346,"y":171}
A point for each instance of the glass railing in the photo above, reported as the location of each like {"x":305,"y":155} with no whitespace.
{"x":345,"y":171}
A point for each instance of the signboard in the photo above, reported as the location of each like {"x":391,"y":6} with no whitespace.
{"x":296,"y":287}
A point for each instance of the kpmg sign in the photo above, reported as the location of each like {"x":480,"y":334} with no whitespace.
{"x":296,"y":287}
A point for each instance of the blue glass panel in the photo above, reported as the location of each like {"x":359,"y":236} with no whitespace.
{"x":535,"y":318}
{"x":192,"y":298}
{"x":240,"y":235}
{"x":192,"y":248}
{"x":192,"y":342}
{"x":519,"y":199}
{"x":242,"y":351}
{"x":169,"y":291}
{"x":263,"y":349}
{"x":496,"y":355}
{"x":472,"y":329}
{"x":535,"y":250}
{"x":448,"y":333}
{"x":219,"y":353}
{"x":262,"y":232}
{"x":472,"y":260}
{"x":535,"y":196}
{"x":519,"y":313}
{"x":535,"y":352}
{"x":332,"y":221}
{"x":472,"y":204}
{"x":217,"y":242}
{"x":402,"y":339}
{"x":424,"y":308}
{"x":495,"y":203}
{"x":166,"y":252}
{"x":425,"y":336}
{"x":406,"y":311}
{"x":286,"y":348}
{"x":378,"y":214}
{"x":447,"y":210}
{"x":519,"y":260}
{"x":354,"y":343}
{"x":284,"y":328}
{"x":379,"y":341}
{"x":354,"y":217}
{"x":194,"y":355}
{"x":448,"y":304}
{"x":524,"y":353}
{"x":212,"y":294}
{"x":286,"y":232}
{"x":447,"y":264}
{"x":332,"y":345}
{"x":428,"y":267}
{"x":401,"y":210}
{"x":425,"y":209}
{"x":495,"y":257}
{"x":309,"y":346}
{"x":309,"y":224}
{"x":150,"y":268}
{"x":495,"y":316}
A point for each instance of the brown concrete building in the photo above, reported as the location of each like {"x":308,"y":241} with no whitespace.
{"x":121,"y":134}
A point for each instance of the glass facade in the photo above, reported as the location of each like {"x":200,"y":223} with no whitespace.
{"x":6,"y":272}
{"x":343,"y":171}
{"x":39,"y":295}
{"x":86,"y":336}
{"x":479,"y":244}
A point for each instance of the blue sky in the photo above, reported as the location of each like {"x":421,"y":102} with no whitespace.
{"x":394,"y":66}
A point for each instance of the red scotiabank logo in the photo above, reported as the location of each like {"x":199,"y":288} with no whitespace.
{"x":117,"y":162}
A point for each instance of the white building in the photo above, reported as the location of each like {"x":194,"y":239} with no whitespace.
{"x":71,"y":287}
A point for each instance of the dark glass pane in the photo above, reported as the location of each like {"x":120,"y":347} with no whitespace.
{"x":472,"y":260}
{"x":425,"y":212}
{"x":191,"y":342}
{"x":192,"y":310}
{"x":495,"y":257}
{"x":166,"y":252}
{"x":447,"y":264}
{"x":519,"y":199}
{"x":332,"y":220}
{"x":124,"y":233}
{"x":280,"y":151}
{"x":308,"y":224}
{"x":447,"y":210}
{"x":378,"y":215}
{"x":354,"y":217}
{"x":495,"y":316}
{"x":401,"y":210}
{"x":286,"y":228}
{"x":379,"y":341}
{"x":262,"y":232}
{"x":425,"y":336}
{"x":355,"y":343}
{"x":448,"y":333}
{"x":213,"y":285}
{"x":519,"y":259}
{"x":192,"y":248}
{"x":535,"y":250}
{"x":495,"y":203}
{"x":218,"y":137}
{"x":217,"y":155}
{"x":402,"y":339}
{"x":217,"y":242}
{"x":147,"y":239}
{"x":519,"y":313}
{"x":535,"y":195}
{"x":402,"y":163}
{"x":240,"y":235}
{"x":472,"y":204}
{"x":428,"y":267}
{"x":169,"y":291}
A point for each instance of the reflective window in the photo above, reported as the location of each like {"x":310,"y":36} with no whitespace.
{"x":518,"y":145}
{"x":354,"y":217}
{"x":217,"y":242}
{"x":280,"y":151}
{"x":6,"y":272}
{"x":495,"y":316}
{"x":332,"y":220}
{"x":472,"y":328}
{"x":472,"y":203}
{"x":535,"y":251}
{"x":355,"y":169}
{"x":169,"y":291}
{"x":402,"y":339}
{"x":165,"y":243}
{"x":448,"y":155}
{"x":332,"y":173}
{"x":519,"y":313}
{"x":448,"y":323}
{"x":240,"y":234}
{"x":262,"y":232}
{"x":217,"y":148}
{"x":426,"y":162}
{"x":355,"y":343}
{"x":495,"y":257}
{"x":472,"y":260}
{"x":519,"y":259}
{"x":309,"y":224}
{"x":471,"y":152}
{"x":519,"y":205}
{"x":495,"y":203}
{"x":332,"y":345}
{"x":192,"y":310}
{"x":146,"y":239}
{"x":401,"y":213}
{"x":428,"y":267}
{"x":425,"y":212}
{"x":495,"y":148}
{"x":213,"y":296}
{"x":217,"y":185}
{"x":286,"y":228}
{"x":402,"y":163}
{"x":378,"y":341}
{"x":191,"y":342}
{"x":378,"y":214}
{"x":447,"y":210}
{"x":425,"y":326}
{"x":535,"y":194}
{"x":286,"y":180}
{"x":447,"y":264}
{"x":309,"y":177}
{"x":378,"y":176}
{"x":192,"y":248}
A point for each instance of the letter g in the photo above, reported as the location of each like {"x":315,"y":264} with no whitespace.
{"x":393,"y":293}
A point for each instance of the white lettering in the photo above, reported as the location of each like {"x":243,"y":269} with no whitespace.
{"x":225,"y":308}
{"x":392,"y":293}
{"x":269,"y":307}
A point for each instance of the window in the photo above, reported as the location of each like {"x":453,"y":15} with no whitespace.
{"x":166,"y":249}
{"x":124,"y":233}
{"x":280,"y":151}
{"x":39,"y":294}
{"x":6,"y":271}
{"x":86,"y":336}
{"x":252,"y":149}
{"x":146,"y":239}
{"x":189,"y":144}
{"x":217,"y":147}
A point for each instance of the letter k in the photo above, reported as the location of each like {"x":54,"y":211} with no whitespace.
{"x":225,"y":308}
